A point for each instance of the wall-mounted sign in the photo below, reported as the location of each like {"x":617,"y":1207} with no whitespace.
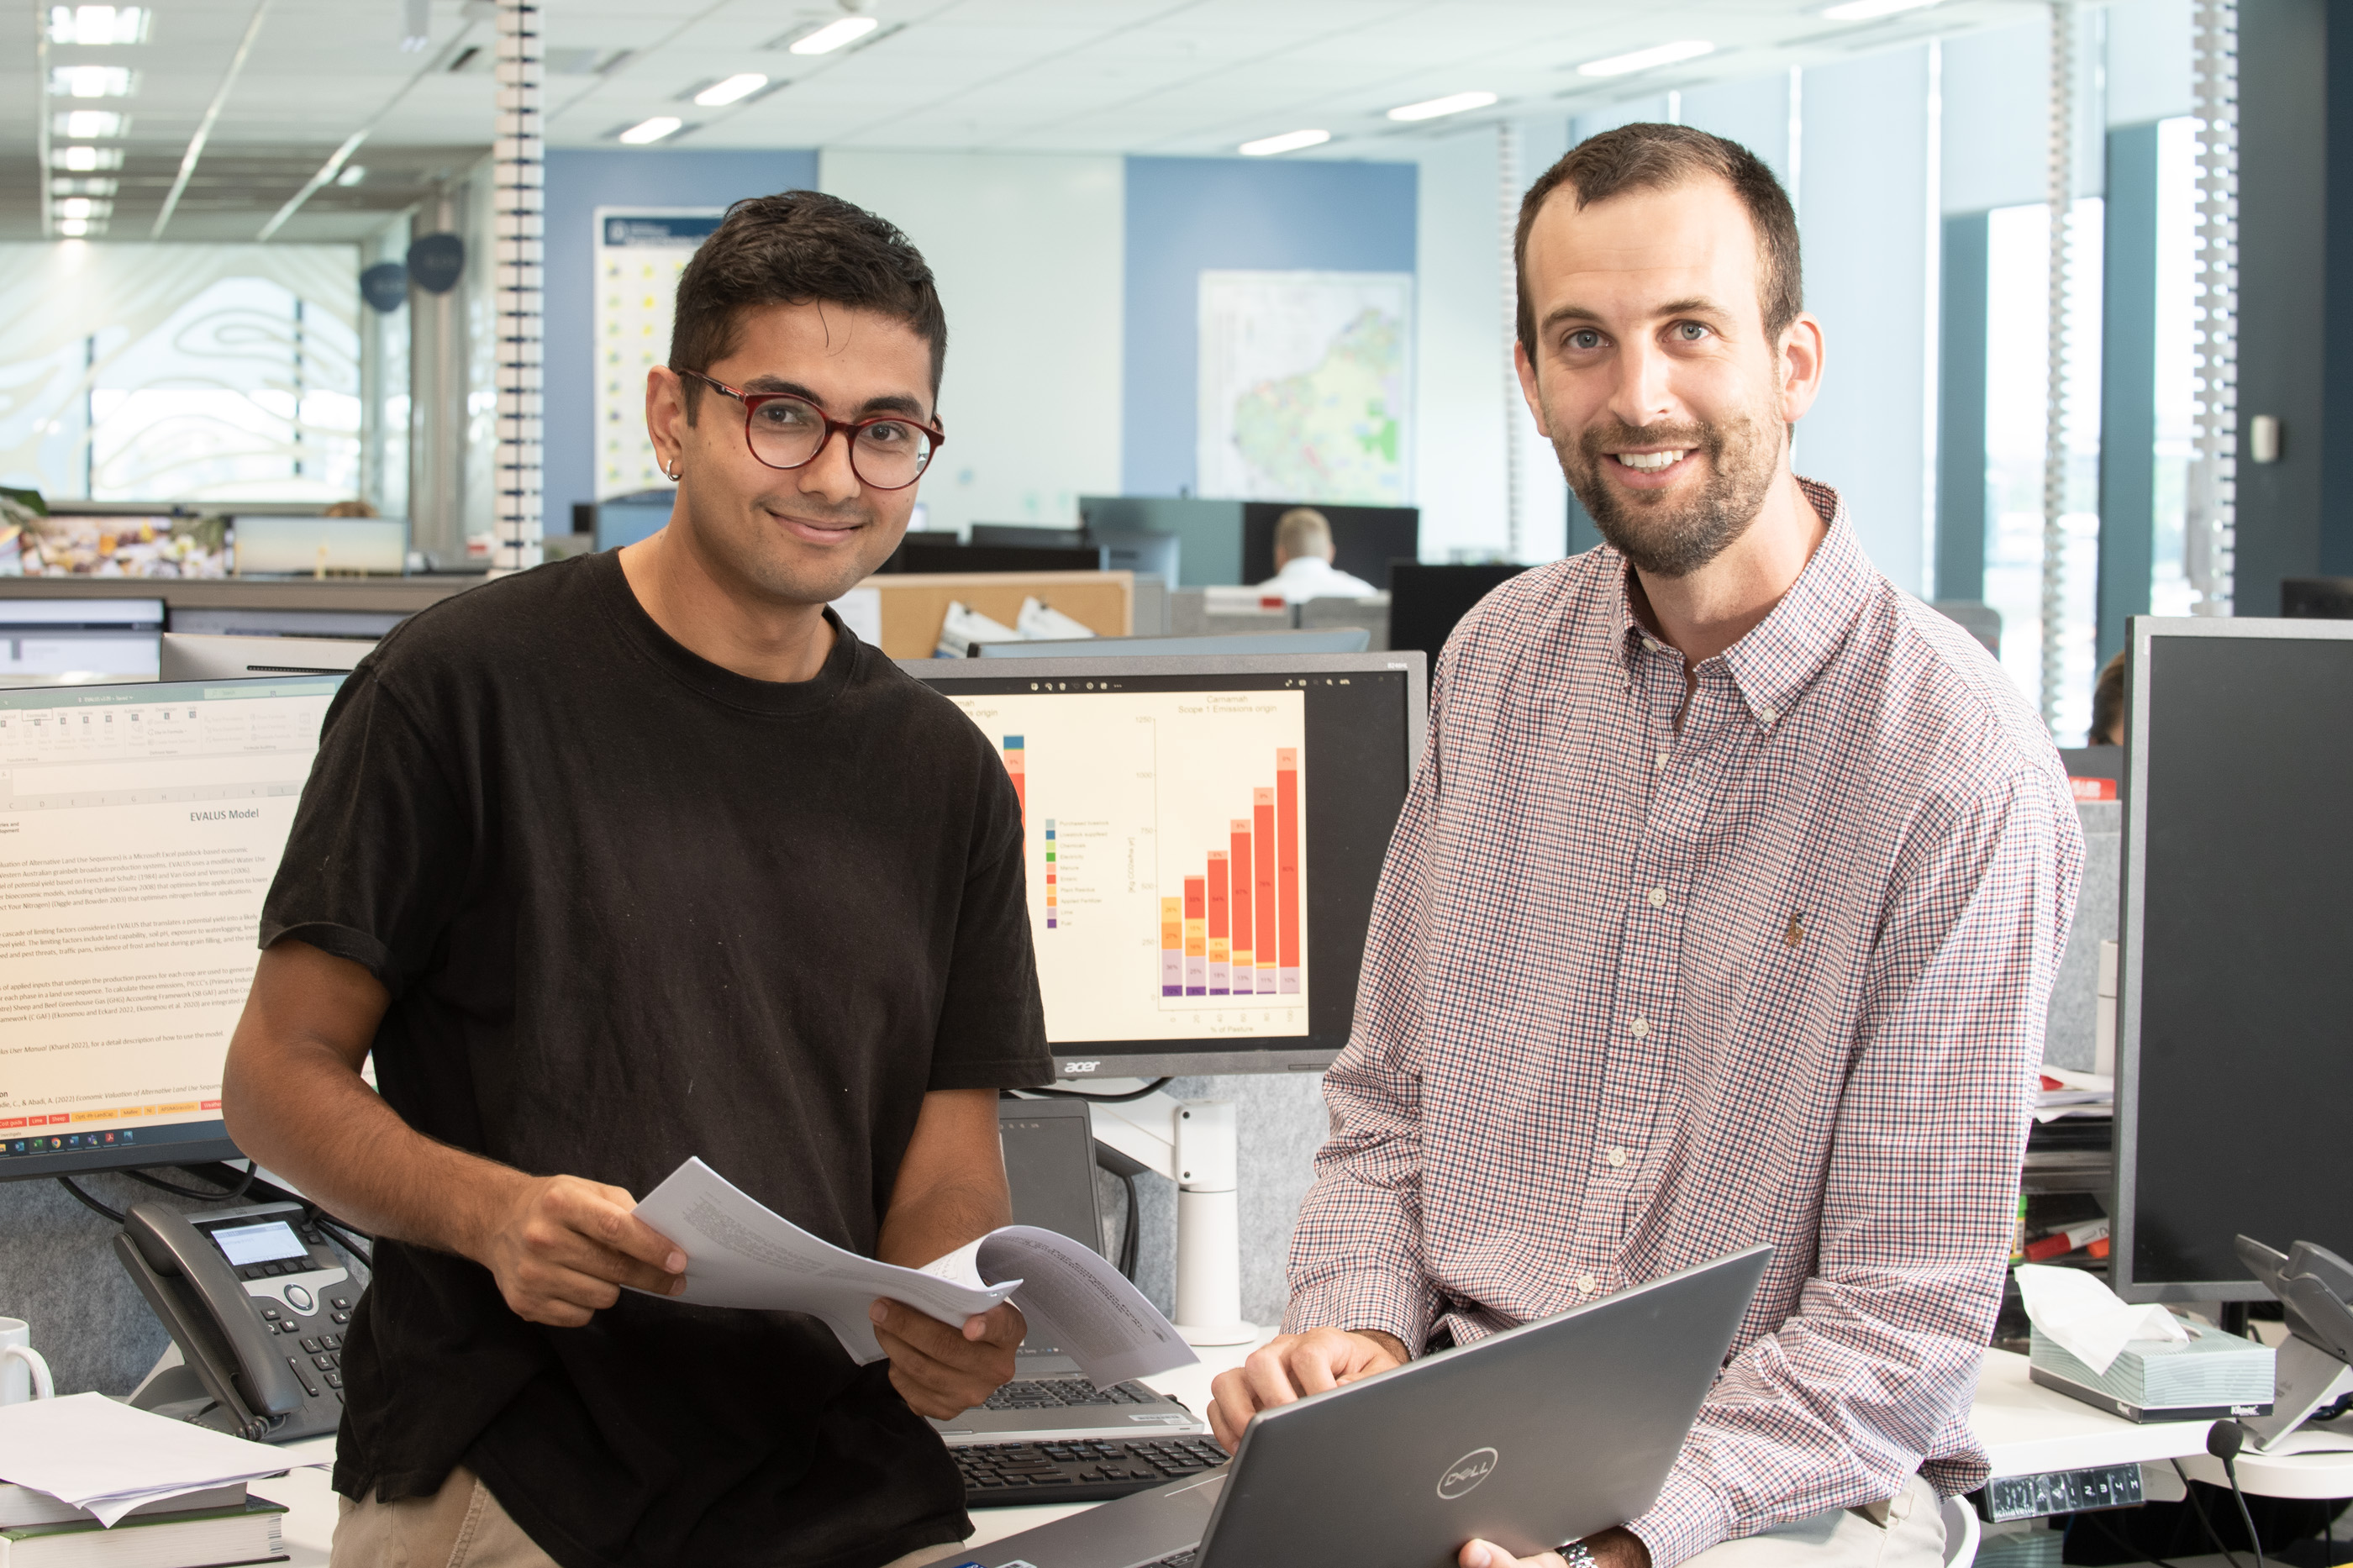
{"x":640,"y":251}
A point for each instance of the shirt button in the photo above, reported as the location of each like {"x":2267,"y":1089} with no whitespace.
{"x":1662,"y":759}
{"x":1585,"y":1284}
{"x":1766,"y":715}
{"x":1657,"y":898}
{"x":1639,"y":1027}
{"x":1616,"y":1156}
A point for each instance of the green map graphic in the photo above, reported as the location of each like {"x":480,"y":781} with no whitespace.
{"x":1333,"y":433}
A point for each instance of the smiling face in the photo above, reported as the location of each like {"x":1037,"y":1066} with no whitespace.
{"x":1652,"y":374}
{"x":805,"y":535}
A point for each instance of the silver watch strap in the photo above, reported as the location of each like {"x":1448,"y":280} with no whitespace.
{"x":1577,"y":1555}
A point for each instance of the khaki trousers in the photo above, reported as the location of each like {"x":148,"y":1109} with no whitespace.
{"x":1911,"y":1536}
{"x":460,"y":1526}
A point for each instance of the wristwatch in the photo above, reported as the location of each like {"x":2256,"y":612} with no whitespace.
{"x":1577,"y":1555}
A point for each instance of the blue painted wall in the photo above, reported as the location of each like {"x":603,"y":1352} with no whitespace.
{"x":1186,"y":216}
{"x":579,"y":183}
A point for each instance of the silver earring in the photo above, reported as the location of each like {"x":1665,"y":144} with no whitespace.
{"x":672,"y":471}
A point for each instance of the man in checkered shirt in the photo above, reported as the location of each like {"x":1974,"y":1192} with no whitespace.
{"x":1725,"y":910}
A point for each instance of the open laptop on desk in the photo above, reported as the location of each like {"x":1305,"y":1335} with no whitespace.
{"x":1049,"y":1164}
{"x":1534,"y":1437}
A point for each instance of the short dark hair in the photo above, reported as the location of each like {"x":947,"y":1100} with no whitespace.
{"x":1651,"y":157}
{"x":2108,"y":701}
{"x":794,"y":248}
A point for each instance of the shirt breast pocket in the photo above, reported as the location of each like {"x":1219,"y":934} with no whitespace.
{"x":1763,"y":1006}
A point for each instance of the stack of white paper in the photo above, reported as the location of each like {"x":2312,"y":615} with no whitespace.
{"x":740,"y":1253}
{"x":93,"y":1453}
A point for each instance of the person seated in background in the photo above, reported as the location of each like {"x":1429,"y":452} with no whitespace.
{"x":1725,"y":910}
{"x":2108,"y":704}
{"x":1302,"y":561}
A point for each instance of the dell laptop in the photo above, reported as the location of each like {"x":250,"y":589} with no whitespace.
{"x":1540,"y":1435}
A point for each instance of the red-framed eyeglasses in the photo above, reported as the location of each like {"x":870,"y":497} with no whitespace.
{"x":785,"y":430}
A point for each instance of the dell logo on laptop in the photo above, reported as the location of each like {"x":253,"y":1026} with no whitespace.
{"x":1466,"y":1474}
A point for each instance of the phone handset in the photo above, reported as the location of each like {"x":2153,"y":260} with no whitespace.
{"x":234,"y":1353}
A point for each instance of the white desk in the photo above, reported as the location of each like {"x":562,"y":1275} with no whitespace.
{"x":2026,"y":1428}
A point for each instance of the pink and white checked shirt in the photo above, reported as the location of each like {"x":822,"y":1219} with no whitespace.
{"x":1637,"y":996}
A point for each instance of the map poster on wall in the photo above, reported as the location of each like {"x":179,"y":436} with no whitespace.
{"x":640,"y":251}
{"x":1306,"y":387}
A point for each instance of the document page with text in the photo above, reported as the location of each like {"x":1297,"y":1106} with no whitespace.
{"x":140,"y":829}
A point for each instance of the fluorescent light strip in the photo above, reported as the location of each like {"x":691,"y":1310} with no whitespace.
{"x":1288,"y":142}
{"x":1646,"y":59}
{"x":720,"y":94}
{"x":833,"y":35}
{"x":98,"y":24}
{"x":1454,"y":103}
{"x":89,"y":122}
{"x":89,"y":81}
{"x":327,"y":171}
{"x":212,"y":113}
{"x":1872,"y":10}
{"x":650,"y":130}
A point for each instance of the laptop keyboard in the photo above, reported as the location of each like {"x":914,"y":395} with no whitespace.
{"x":1065,"y":1393}
{"x":1004,"y":1475}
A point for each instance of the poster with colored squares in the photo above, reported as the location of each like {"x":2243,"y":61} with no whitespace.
{"x":1165,"y":851}
{"x":639,"y":252}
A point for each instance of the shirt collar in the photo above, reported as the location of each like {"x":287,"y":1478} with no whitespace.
{"x":1782,"y":653}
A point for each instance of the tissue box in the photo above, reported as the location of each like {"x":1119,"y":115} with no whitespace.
{"x":2212,"y":1377}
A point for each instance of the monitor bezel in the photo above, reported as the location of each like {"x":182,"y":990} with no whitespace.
{"x":1273,"y":1057}
{"x":2141,"y":632}
{"x":187,"y":1152}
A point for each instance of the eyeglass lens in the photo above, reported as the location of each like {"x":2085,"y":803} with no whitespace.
{"x":889,"y":454}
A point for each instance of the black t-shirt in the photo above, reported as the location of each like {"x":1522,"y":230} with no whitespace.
{"x":632,"y":907}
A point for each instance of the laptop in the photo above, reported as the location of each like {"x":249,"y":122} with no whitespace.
{"x":1539,"y":1435}
{"x":1049,"y":1164}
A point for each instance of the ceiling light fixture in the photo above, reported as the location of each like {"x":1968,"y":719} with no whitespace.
{"x":73,"y":227}
{"x":1645,"y":59}
{"x":649,"y":131}
{"x":833,"y":35}
{"x":721,"y":93}
{"x":98,"y":24}
{"x":85,"y":159}
{"x":84,"y":206}
{"x":60,"y":185}
{"x":90,"y":122}
{"x":1288,"y":142}
{"x":89,"y":81}
{"x":1872,"y":10}
{"x":1453,"y":103}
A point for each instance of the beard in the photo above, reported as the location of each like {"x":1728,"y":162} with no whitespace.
{"x":1666,"y":535}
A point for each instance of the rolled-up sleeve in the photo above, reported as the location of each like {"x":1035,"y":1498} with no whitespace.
{"x":1875,"y":1372}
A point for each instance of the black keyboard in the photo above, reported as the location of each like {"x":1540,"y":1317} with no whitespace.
{"x":1004,"y":1475}
{"x":1065,"y":1393}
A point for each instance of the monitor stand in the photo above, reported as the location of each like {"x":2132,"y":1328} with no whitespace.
{"x":1193,"y":1143}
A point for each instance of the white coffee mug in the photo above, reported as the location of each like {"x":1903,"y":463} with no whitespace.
{"x":23,"y":1373}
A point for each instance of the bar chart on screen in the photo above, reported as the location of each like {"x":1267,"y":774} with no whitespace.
{"x":1164,"y":840}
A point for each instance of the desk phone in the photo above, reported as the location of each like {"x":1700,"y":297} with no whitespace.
{"x":259,"y":1305}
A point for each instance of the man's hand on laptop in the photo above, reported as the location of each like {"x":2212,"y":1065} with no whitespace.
{"x":1611,"y":1549}
{"x":1290,"y":1367}
{"x":943,"y":1371}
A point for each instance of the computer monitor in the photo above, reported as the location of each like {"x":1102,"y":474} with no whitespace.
{"x":56,"y":642}
{"x":195,"y":656}
{"x":1026,"y":537}
{"x":1002,"y":558}
{"x":2318,"y":598}
{"x":1050,"y":1166}
{"x":1425,"y":602}
{"x":1364,"y":539}
{"x":140,"y":829}
{"x":2232,"y":1061}
{"x":1337,"y":639}
{"x":1203,"y":836}
{"x":1160,"y":556}
{"x":897,"y":559}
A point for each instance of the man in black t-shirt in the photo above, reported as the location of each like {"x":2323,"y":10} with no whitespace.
{"x":640,"y":857}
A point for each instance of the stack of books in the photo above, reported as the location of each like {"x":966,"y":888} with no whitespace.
{"x":208,"y":1529}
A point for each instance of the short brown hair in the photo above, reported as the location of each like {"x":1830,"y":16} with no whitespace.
{"x":795,"y":248}
{"x":1651,"y":157}
{"x":2108,"y":703}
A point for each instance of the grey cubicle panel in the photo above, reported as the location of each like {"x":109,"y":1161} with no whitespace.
{"x":1371,"y":613}
{"x":1210,"y":532}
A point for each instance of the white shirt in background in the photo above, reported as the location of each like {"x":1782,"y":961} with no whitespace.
{"x":1313,"y":577}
